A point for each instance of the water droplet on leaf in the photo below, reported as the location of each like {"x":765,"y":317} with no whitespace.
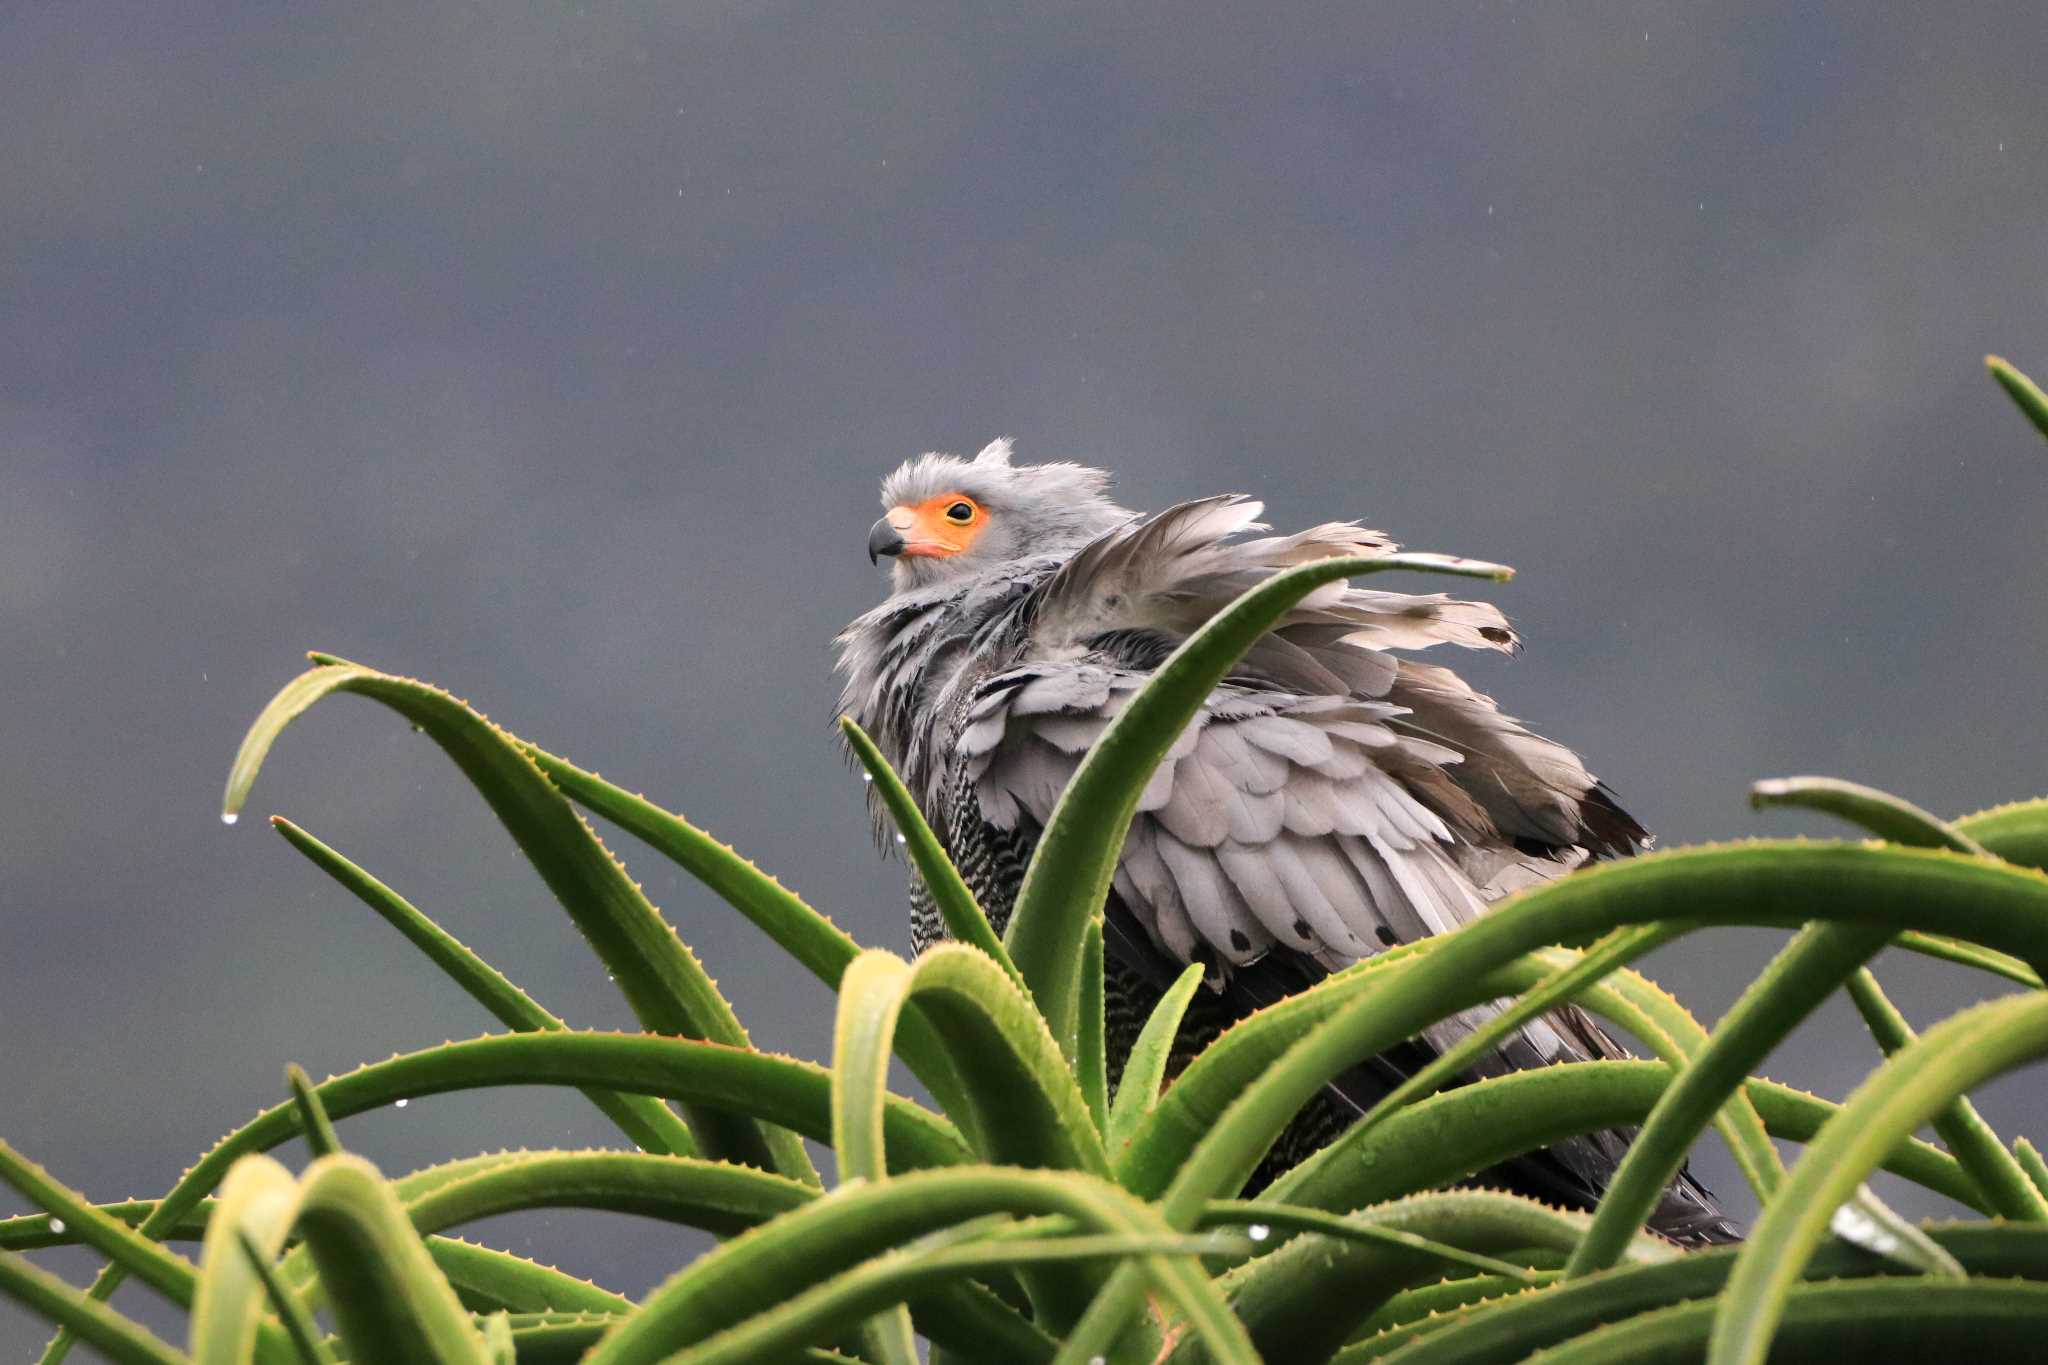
{"x":1258,"y":1232}
{"x":402,"y":1103}
{"x":228,"y":817}
{"x":56,"y":1225}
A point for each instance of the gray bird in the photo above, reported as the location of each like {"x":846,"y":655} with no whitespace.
{"x":1331,"y":799}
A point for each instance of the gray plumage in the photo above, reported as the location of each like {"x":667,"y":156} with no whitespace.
{"x":1331,"y":798}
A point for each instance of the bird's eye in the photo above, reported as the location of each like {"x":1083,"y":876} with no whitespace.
{"x":960,"y":513}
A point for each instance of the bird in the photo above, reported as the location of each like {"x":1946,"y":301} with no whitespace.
{"x":1332,"y":798}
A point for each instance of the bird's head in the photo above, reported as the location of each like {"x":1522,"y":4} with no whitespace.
{"x":947,"y":517}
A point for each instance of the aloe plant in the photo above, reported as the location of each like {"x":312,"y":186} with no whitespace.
{"x":1030,"y":1215}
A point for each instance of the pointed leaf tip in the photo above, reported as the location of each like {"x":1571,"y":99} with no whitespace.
{"x":2022,"y":390}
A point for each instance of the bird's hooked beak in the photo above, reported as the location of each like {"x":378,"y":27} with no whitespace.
{"x":884,"y":539}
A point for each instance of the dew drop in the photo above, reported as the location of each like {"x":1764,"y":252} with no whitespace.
{"x":228,"y":817}
{"x":901,"y":840}
{"x":1097,"y":1360}
{"x":1258,"y":1232}
{"x":56,"y":1225}
{"x":867,"y":777}
{"x":402,"y":1103}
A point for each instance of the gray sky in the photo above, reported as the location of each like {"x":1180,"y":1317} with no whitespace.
{"x":554,"y":355}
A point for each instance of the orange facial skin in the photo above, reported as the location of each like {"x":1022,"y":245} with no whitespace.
{"x":935,"y":528}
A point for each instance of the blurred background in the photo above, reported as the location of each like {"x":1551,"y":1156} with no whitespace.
{"x":553,"y":354}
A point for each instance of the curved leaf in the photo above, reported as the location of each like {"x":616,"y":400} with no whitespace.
{"x":256,"y":1205}
{"x":752,"y":1273}
{"x":298,"y":1322}
{"x":1506,"y":1330}
{"x":1024,"y":1105}
{"x":813,"y":940}
{"x":513,"y":1282}
{"x":1909,"y":1089}
{"x":1193,"y":1104}
{"x":661,"y":979}
{"x":154,"y":1264}
{"x":390,"y":1300}
{"x":956,"y":904}
{"x":1765,"y":883}
{"x":713,"y":1195}
{"x":1068,"y":877}
{"x":1960,"y":1126}
{"x":1795,"y":982}
{"x":1888,"y":817}
{"x":124,"y":1342}
{"x":818,"y":1312}
{"x":2016,"y":832}
{"x":1303,"y":1300}
{"x":1997,"y":1172}
{"x":1145,"y":1065}
{"x":1939,"y":1321}
{"x":782,"y":1091}
{"x":2022,"y":390}
{"x":1451,"y":1136}
{"x":643,"y":1119}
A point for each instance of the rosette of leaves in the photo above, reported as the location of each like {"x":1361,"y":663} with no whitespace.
{"x":1028,"y":1215}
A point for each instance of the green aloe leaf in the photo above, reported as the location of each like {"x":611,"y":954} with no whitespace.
{"x":751,"y":1274}
{"x":1909,"y":1089}
{"x":1875,"y":888}
{"x":1887,"y":816}
{"x":1615,"y":950}
{"x":1145,"y":1067}
{"x":819,"y":945}
{"x":1807,"y":971}
{"x":715,"y":1196}
{"x":390,"y":1300}
{"x":154,"y":1264}
{"x":872,"y":994}
{"x":1451,"y":1136}
{"x":779,"y":1090}
{"x":1506,"y":1330}
{"x":1091,"y":1060}
{"x":1025,"y":1106}
{"x":820,"y":1311}
{"x":1760,"y":883}
{"x":257,"y":1203}
{"x":34,"y":1231}
{"x":1938,"y":1321}
{"x":1194,"y":1103}
{"x":313,"y":1120}
{"x":1429,"y":1308}
{"x":2007,"y":1186}
{"x":2029,"y":1157}
{"x":956,"y":904}
{"x":514,"y":1282}
{"x":1261,"y":1220}
{"x":122,"y":1340}
{"x":2016,"y":832}
{"x":1979,"y":1149}
{"x":1969,"y":955}
{"x":642,"y":1118}
{"x":2022,"y":390}
{"x":1302,"y":1301}
{"x":1068,"y":877}
{"x":298,"y":1323}
{"x":660,"y":977}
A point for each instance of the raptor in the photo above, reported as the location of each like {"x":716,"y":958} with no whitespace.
{"x":1332,"y":798}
